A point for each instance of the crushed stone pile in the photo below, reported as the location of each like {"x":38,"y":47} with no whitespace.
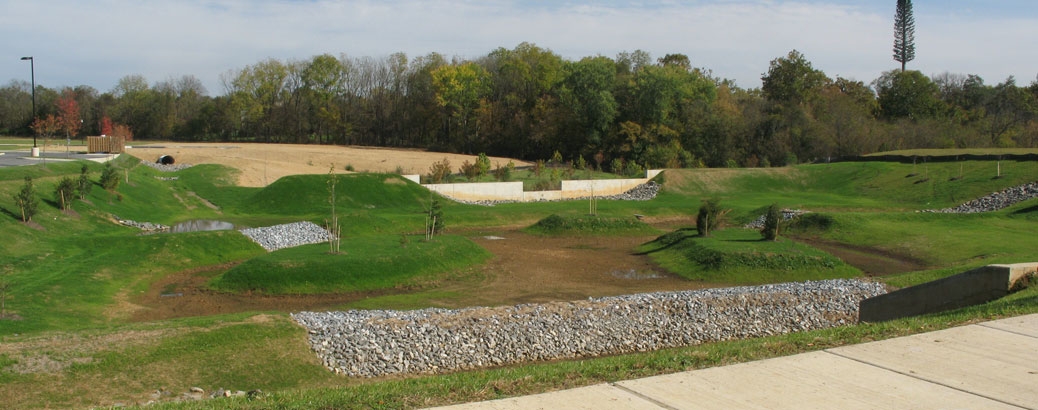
{"x":375,"y":343}
{"x":283,"y":236}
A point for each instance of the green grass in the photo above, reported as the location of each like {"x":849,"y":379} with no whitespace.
{"x":740,"y":256}
{"x":369,"y":263}
{"x":70,"y":272}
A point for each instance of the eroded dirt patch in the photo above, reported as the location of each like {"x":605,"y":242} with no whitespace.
{"x":524,"y":269}
{"x":871,"y":261}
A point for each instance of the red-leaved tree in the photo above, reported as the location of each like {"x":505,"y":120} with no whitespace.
{"x":68,"y":113}
{"x":106,"y":125}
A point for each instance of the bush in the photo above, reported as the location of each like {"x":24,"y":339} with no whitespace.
{"x":109,"y":177}
{"x":633,"y":170}
{"x":439,"y":171}
{"x":84,"y":184}
{"x":616,"y":166}
{"x":504,"y":174}
{"x":470,"y":170}
{"x":709,"y":217}
{"x":772,"y":219}
{"x":27,"y":201}
{"x":65,"y":193}
{"x":483,"y":164}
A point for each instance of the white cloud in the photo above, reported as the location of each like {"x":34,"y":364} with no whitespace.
{"x":98,"y":42}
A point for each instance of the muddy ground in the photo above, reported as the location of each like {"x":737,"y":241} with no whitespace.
{"x":524,"y":269}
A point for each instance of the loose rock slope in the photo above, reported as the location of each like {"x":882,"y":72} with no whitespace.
{"x":995,"y":201}
{"x":381,"y":342}
{"x":283,"y":236}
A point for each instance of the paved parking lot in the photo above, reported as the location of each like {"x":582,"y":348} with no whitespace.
{"x":22,"y":157}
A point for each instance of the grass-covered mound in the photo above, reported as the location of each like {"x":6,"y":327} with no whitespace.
{"x":306,"y":194}
{"x":739,"y":256}
{"x":367,"y":263}
{"x":588,"y":224}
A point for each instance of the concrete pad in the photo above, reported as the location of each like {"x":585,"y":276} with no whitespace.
{"x":1024,"y":325}
{"x":980,"y":360}
{"x":600,"y":396}
{"x":817,"y":380}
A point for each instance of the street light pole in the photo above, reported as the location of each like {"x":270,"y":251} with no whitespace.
{"x":32,"y":73}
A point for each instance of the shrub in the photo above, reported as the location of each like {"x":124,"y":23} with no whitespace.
{"x":439,"y":171}
{"x":27,"y":201}
{"x":617,"y":166}
{"x":470,"y":170}
{"x":109,"y":177}
{"x":504,"y":174}
{"x":65,"y":193}
{"x":709,"y":217}
{"x":772,"y":219}
{"x":538,"y":167}
{"x":556,"y":158}
{"x":84,"y":184}
{"x":483,"y":164}
{"x":633,"y":170}
{"x":581,"y":163}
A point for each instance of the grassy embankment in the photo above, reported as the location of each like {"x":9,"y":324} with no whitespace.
{"x":75,"y":277}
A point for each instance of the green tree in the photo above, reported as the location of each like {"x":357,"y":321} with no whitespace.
{"x":792,"y":79}
{"x":65,"y":193}
{"x":84,"y":185}
{"x":904,"y":33}
{"x":109,"y":177}
{"x":709,"y":217}
{"x":907,"y":94}
{"x":26,"y":200}
{"x":459,"y":88}
{"x":590,"y":108}
{"x":434,"y":220}
{"x":772,"y":220}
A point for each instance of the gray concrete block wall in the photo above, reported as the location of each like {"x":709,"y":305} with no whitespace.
{"x":972,"y":287}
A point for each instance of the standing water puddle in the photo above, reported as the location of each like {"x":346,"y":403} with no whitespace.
{"x":201,"y":225}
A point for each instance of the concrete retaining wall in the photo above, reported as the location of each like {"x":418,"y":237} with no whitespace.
{"x":965,"y":289}
{"x":513,"y":191}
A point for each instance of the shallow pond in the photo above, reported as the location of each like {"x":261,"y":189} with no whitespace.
{"x":201,"y":225}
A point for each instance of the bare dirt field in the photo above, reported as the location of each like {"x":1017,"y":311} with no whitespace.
{"x":524,"y":269}
{"x":262,"y":164}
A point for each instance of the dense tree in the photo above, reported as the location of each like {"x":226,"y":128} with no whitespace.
{"x":588,"y":105}
{"x":528,"y":102}
{"x":907,"y":94}
{"x":459,"y":90}
{"x":904,"y":33}
{"x":792,"y":79}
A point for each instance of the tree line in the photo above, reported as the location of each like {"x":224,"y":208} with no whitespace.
{"x":528,"y":102}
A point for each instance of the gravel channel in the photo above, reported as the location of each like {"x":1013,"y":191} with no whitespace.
{"x":374,"y":343}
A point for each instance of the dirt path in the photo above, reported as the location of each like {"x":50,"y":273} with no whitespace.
{"x":871,"y":261}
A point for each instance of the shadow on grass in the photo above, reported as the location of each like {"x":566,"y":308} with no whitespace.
{"x":669,"y":245}
{"x":5,"y":211}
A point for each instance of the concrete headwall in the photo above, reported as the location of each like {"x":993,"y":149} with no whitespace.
{"x":513,"y":191}
{"x":965,"y":289}
{"x":493,"y":191}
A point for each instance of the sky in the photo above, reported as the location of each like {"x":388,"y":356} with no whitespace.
{"x":98,"y":42}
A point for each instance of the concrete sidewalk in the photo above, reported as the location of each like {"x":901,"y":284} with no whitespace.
{"x":990,"y":365}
